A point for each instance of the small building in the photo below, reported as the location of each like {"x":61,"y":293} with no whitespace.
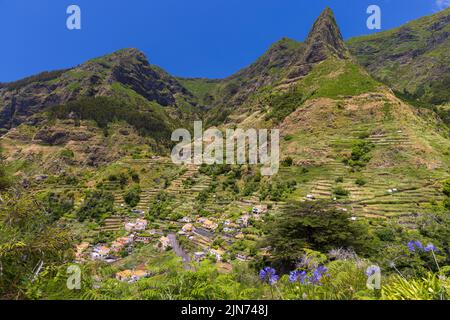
{"x":41,"y":177}
{"x":228,"y":230}
{"x":131,"y":276}
{"x":187,"y":227}
{"x":139,"y":212}
{"x":218,"y":254}
{"x":100,"y":252}
{"x":210,"y":225}
{"x":243,"y":221}
{"x":199,"y":256}
{"x":121,"y":243}
{"x":241,"y":257}
{"x":186,"y":220}
{"x":137,"y":225}
{"x":144,"y":238}
{"x":80,"y":250}
{"x":260,"y":209}
{"x":164,"y":243}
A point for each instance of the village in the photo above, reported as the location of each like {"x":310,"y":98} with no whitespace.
{"x":197,"y":238}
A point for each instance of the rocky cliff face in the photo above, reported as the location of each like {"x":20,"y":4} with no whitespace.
{"x":285,"y":63}
{"x":413,"y":59}
{"x":131,"y":68}
{"x":324,"y":41}
{"x":104,"y":76}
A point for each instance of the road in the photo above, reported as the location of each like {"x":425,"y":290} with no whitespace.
{"x":179,"y":251}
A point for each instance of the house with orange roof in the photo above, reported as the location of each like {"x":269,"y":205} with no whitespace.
{"x":131,"y":276}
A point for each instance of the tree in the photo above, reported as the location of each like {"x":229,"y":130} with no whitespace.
{"x":312,"y":225}
{"x":132,"y":196}
{"x":97,"y":204}
{"x":159,"y":209}
{"x":28,"y":236}
{"x":59,"y":204}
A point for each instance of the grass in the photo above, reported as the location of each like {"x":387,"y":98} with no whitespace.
{"x":337,"y":78}
{"x":203,"y":89}
{"x":383,"y":54}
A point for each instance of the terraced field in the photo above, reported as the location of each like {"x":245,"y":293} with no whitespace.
{"x":113,"y":224}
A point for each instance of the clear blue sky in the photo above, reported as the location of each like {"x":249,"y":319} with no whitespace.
{"x":196,"y":38}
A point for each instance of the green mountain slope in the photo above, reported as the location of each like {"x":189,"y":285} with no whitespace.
{"x":413,"y":59}
{"x":125,"y":75}
{"x":86,"y":149}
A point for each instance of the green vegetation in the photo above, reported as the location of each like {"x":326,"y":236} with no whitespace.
{"x":363,"y":183}
{"x":424,"y":78}
{"x":203,"y":89}
{"x":360,"y":155}
{"x":58,"y":205}
{"x":446,"y":191}
{"x":316,"y":226}
{"x":337,"y":78}
{"x":97,"y":205}
{"x":28,"y":236}
{"x":41,"y":77}
{"x":5,"y":178}
{"x":107,"y":110}
{"x":283,"y":104}
{"x":132,"y":196}
{"x":160,"y":208}
{"x":66,"y":153}
{"x":340,"y":192}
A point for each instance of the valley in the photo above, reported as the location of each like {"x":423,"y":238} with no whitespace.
{"x":87,"y":177}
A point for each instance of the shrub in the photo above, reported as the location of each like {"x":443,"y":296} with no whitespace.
{"x":284,"y":104}
{"x":287,"y":162}
{"x":96,"y":205}
{"x":132,"y":196}
{"x":135,"y":177}
{"x":360,"y":154}
{"x":360,"y":182}
{"x":67,"y":153}
{"x":160,"y":208}
{"x":430,"y":287}
{"x":340,"y":191}
{"x":58,"y":204}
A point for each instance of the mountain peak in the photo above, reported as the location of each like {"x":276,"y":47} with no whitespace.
{"x":325,"y":39}
{"x":127,"y":55}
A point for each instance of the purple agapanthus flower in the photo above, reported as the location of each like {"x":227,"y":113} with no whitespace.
{"x":318,"y":274}
{"x":298,"y":275}
{"x":372,"y":270}
{"x":269,"y":275}
{"x":273,"y":279}
{"x":414,"y":245}
{"x":430,"y":247}
{"x":419,"y":245}
{"x":293,"y":276}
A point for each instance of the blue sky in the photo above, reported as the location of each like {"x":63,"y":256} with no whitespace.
{"x":196,"y":38}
